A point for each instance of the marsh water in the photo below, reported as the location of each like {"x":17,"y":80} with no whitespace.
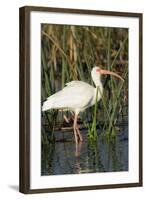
{"x":102,"y":155}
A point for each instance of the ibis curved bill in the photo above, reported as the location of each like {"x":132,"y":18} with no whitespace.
{"x":76,"y":96}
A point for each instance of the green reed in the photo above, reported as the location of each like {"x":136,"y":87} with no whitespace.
{"x":92,"y":128}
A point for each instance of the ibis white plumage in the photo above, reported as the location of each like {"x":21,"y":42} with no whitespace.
{"x":76,"y":96}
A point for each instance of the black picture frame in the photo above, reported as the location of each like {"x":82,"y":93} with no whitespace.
{"x":24,"y":143}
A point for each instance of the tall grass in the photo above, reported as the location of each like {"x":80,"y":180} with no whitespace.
{"x":69,"y":53}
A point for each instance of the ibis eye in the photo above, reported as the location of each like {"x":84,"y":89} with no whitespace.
{"x":98,"y":70}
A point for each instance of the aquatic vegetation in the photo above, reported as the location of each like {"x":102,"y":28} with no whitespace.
{"x":69,"y":53}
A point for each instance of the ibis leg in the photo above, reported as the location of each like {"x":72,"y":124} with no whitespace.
{"x":76,"y":130}
{"x":79,"y":134}
{"x":74,"y":127}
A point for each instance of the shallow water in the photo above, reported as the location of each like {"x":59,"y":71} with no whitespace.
{"x":65,"y":157}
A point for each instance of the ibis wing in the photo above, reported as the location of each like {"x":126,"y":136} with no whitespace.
{"x":76,"y":94}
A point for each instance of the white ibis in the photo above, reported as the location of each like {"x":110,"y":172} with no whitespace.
{"x":76,"y":96}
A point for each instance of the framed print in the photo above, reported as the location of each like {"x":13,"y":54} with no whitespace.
{"x":80,"y":99}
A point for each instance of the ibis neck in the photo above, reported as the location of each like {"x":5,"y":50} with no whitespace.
{"x":99,"y":88}
{"x":98,"y":84}
{"x":96,"y":80}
